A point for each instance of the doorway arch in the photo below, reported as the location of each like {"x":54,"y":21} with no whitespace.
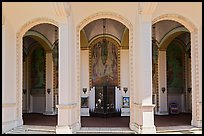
{"x":81,"y":25}
{"x":194,"y":61}
{"x":19,"y":60}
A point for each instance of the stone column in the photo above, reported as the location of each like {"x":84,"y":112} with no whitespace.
{"x":162,"y":77}
{"x":3,"y":60}
{"x":49,"y":84}
{"x":68,"y":122}
{"x":142,"y":109}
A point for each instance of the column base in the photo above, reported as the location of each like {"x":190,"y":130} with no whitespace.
{"x":196,"y":123}
{"x":6,"y":126}
{"x":148,"y":130}
{"x":63,"y":130}
{"x":139,"y":129}
{"x":68,"y":129}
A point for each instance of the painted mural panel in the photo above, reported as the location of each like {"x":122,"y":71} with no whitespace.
{"x":55,"y":55}
{"x":174,"y":68}
{"x":38,"y":71}
{"x":104,"y":64}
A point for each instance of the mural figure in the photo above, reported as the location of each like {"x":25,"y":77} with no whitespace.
{"x":174,"y":66}
{"x":37,"y":68}
{"x":104,"y":64}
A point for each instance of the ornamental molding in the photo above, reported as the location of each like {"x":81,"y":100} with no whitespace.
{"x":62,"y":9}
{"x":147,"y":7}
{"x":178,"y":18}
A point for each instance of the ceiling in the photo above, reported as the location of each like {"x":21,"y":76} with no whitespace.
{"x":112,"y":27}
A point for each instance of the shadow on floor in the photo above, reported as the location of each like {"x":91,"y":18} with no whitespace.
{"x":105,"y":122}
{"x":39,"y":119}
{"x":160,"y":121}
{"x":172,"y":120}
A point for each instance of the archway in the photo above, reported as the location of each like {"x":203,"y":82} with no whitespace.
{"x":169,"y":86}
{"x":42,"y":96}
{"x":88,"y":41}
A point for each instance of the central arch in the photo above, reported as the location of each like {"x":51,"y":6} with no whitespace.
{"x":82,"y":24}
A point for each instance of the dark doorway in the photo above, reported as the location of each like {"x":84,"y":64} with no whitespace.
{"x":105,"y":101}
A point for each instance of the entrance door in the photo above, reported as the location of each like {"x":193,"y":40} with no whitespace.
{"x":105,"y":100}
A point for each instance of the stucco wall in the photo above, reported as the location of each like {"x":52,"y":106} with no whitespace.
{"x":18,"y":14}
{"x":84,"y":70}
{"x":190,"y":10}
{"x":8,"y":77}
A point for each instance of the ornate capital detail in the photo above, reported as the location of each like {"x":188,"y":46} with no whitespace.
{"x":62,"y":9}
{"x":146,"y":7}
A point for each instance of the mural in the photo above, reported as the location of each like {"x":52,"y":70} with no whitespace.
{"x":104,"y":64}
{"x":55,"y":55}
{"x":174,"y":68}
{"x":38,"y":69}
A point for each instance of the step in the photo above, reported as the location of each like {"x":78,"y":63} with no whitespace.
{"x":103,"y":130}
{"x":31,"y":129}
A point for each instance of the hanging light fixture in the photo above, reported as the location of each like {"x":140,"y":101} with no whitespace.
{"x":104,"y":30}
{"x":104,"y":49}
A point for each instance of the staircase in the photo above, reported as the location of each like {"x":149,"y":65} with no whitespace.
{"x":29,"y":129}
{"x":104,"y":130}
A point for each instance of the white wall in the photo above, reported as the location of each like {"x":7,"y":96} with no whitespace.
{"x":18,"y":13}
{"x":38,"y":103}
{"x":82,"y":10}
{"x":124,"y":71}
{"x":181,"y":8}
{"x":9,"y":80}
{"x":84,"y":71}
{"x":178,"y":99}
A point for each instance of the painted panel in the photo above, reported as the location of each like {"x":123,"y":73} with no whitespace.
{"x":175,"y":69}
{"x":38,"y":71}
{"x":104,"y":64}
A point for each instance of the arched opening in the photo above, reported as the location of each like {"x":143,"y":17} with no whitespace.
{"x":171,"y":74}
{"x":105,"y":95}
{"x":40,"y":75}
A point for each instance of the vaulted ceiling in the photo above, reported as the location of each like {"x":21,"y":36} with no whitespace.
{"x":47,"y":32}
{"x":103,"y":27}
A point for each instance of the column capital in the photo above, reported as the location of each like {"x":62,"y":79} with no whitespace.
{"x":147,"y":7}
{"x":62,"y":9}
{"x":145,"y":10}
